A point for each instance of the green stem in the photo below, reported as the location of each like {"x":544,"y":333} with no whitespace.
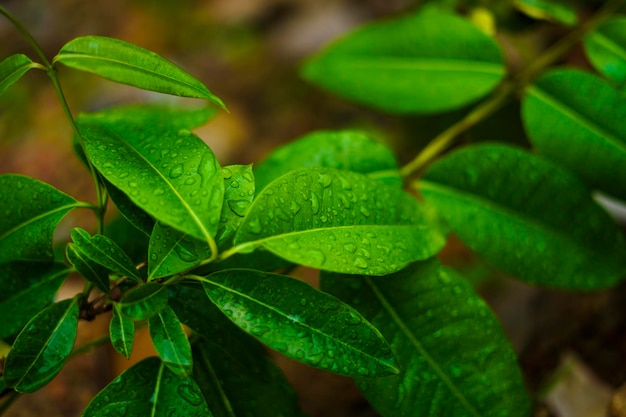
{"x":8,"y":402}
{"x":22,"y":29}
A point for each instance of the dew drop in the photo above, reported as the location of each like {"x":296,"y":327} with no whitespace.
{"x":299,"y":354}
{"x":360,"y":263}
{"x":186,"y":254}
{"x":239,"y":207}
{"x":248,"y":177}
{"x":303,"y":302}
{"x":323,"y":219}
{"x":294,"y":207}
{"x":350,"y":248}
{"x":227,"y":173}
{"x":124,"y":175}
{"x":317,"y":257}
{"x":158,"y":191}
{"x":315,"y":203}
{"x":255,"y":225}
{"x":190,"y":181}
{"x":325,"y":180}
{"x":190,"y":393}
{"x":364,"y":211}
{"x":154,"y":256}
{"x":344,"y":201}
{"x":176,"y":171}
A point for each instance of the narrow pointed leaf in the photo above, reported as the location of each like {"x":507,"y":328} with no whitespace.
{"x":553,"y":10}
{"x":26,"y":288}
{"x":91,"y":270}
{"x":170,"y":341}
{"x":239,"y":187}
{"x":427,"y":62}
{"x":31,"y":210}
{"x":300,"y":322}
{"x":149,"y":388}
{"x":339,"y":221}
{"x":12,"y":69}
{"x":121,"y":332}
{"x":172,"y":251}
{"x":454,"y":358}
{"x":586,"y":136}
{"x":40,"y":350}
{"x":526,"y":216}
{"x":144,"y":301}
{"x":129,"y":210}
{"x":606,"y":48}
{"x":130,"y":64}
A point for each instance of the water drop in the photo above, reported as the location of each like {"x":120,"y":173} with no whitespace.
{"x":133,"y":184}
{"x":350,"y":248}
{"x":363,"y":371}
{"x":324,"y":219}
{"x":158,"y":191}
{"x":248,"y":177}
{"x":239,"y":207}
{"x":364,"y":211}
{"x":353,"y":319}
{"x":360,"y":263}
{"x":325,"y":180}
{"x":315,"y":203}
{"x":154,"y":256}
{"x":255,"y":225}
{"x":294,"y":207}
{"x":317,"y":257}
{"x":344,"y":201}
{"x":303,"y":302}
{"x":176,"y":171}
{"x":186,"y":254}
{"x":227,"y":173}
{"x":190,"y":393}
{"x":190,"y":181}
{"x":124,"y":175}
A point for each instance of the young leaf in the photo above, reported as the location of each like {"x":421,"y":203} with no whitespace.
{"x":26,"y":288}
{"x":122,"y":332}
{"x":300,"y":322}
{"x":454,"y":358}
{"x":345,"y":149}
{"x":149,"y":388}
{"x":103,"y":251}
{"x":130,"y":64}
{"x":31,"y":211}
{"x":170,"y":341}
{"x":238,"y":194}
{"x":427,"y":62}
{"x":92,"y":271}
{"x":172,"y":251}
{"x":554,"y":10}
{"x":606,"y":48}
{"x":12,"y":69}
{"x":40,"y":350}
{"x":585,"y":135}
{"x":526,"y":216}
{"x":144,"y":301}
{"x":339,"y":221}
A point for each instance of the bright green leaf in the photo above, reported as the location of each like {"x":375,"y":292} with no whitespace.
{"x":12,"y":69}
{"x":31,"y":211}
{"x":40,"y":350}
{"x":238,"y":194}
{"x":554,"y":10}
{"x":426,"y":62}
{"x":606,"y":48}
{"x":121,"y":332}
{"x":170,"y":341}
{"x":149,"y":388}
{"x":300,"y":322}
{"x":526,"y":216}
{"x":454,"y":358}
{"x":130,"y":64}
{"x":91,"y":270}
{"x":339,"y":221}
{"x":144,"y":301}
{"x":172,"y":252}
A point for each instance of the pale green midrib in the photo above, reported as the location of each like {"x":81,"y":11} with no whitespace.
{"x":227,"y":404}
{"x":312,"y":329}
{"x":169,"y":338}
{"x":155,"y":269}
{"x":384,"y":174}
{"x":427,"y":64}
{"x":17,"y":70}
{"x":609,"y":44}
{"x":157,"y":389}
{"x":14,"y":229}
{"x":418,"y":346}
{"x":120,"y":318}
{"x":39,"y":283}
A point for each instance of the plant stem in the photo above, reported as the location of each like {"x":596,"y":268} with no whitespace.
{"x":9,"y":401}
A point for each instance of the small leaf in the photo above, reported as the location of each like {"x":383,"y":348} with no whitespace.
{"x":427,"y":62}
{"x":454,"y":358}
{"x":606,"y":48}
{"x":526,"y":216}
{"x":338,"y":221}
{"x":105,"y":252}
{"x":40,"y":350}
{"x":129,"y":210}
{"x":26,"y":288}
{"x":238,"y":195}
{"x":172,"y":252}
{"x":346,"y":149}
{"x":554,"y":10}
{"x":144,"y":301}
{"x":91,"y":270}
{"x":130,"y":64}
{"x":122,"y":332}
{"x":31,"y":211}
{"x":300,"y":322}
{"x":149,"y":388}
{"x":12,"y":69}
{"x":170,"y":341}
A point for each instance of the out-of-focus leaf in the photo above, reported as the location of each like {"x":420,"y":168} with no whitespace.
{"x":239,"y":187}
{"x":12,"y":69}
{"x":170,"y":341}
{"x":122,"y":332}
{"x":555,"y":10}
{"x":606,"y":48}
{"x":144,"y":301}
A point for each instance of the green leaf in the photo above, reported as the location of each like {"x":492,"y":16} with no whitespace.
{"x":149,"y":388}
{"x":606,"y":48}
{"x":454,"y":358}
{"x":91,"y":270}
{"x":170,"y":341}
{"x":426,"y":62}
{"x":130,"y":64}
{"x":144,"y":301}
{"x":339,"y":221}
{"x":300,"y":322}
{"x":172,"y":252}
{"x":238,"y":195}
{"x":12,"y":69}
{"x":40,"y":350}
{"x":554,"y":10}
{"x":129,"y":210}
{"x":526,"y":216}
{"x":31,"y":210}
{"x":122,"y":332}
{"x":576,"y":119}
{"x":105,"y":252}
{"x":26,"y":288}
{"x":344,"y":149}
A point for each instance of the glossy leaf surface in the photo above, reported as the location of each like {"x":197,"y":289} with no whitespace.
{"x":40,"y":350}
{"x":239,"y":188}
{"x":606,"y":48}
{"x":347,"y":149}
{"x":427,"y":62}
{"x":553,"y":10}
{"x":12,"y":69}
{"x":129,"y":210}
{"x":339,"y":221}
{"x":454,"y":358}
{"x":576,"y":119}
{"x":300,"y":322}
{"x":90,"y":270}
{"x":172,"y":251}
{"x":144,"y":301}
{"x":170,"y":341}
{"x":130,"y":64}
{"x":149,"y":388}
{"x":526,"y":216}
{"x":31,"y":211}
{"x":121,"y":332}
{"x":26,"y":288}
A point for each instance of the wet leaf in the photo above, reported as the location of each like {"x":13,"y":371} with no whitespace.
{"x":121,"y":332}
{"x":31,"y":210}
{"x":42,"y":347}
{"x":170,"y":341}
{"x":606,"y":48}
{"x":427,"y":62}
{"x":339,"y":221}
{"x":554,"y":10}
{"x":300,"y":322}
{"x":172,"y":252}
{"x":149,"y":388}
{"x":454,"y":358}
{"x":129,"y":210}
{"x":91,"y":270}
{"x":144,"y":301}
{"x":12,"y":69}
{"x":239,"y":188}
{"x":526,"y":216}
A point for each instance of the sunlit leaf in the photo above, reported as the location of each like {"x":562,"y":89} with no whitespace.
{"x":12,"y":69}
{"x":121,"y":332}
{"x":606,"y":48}
{"x":172,"y":251}
{"x":170,"y":341}
{"x":144,"y":301}
{"x":555,"y":10}
{"x":91,"y":270}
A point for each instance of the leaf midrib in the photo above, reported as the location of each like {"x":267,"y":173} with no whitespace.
{"x":424,"y":64}
{"x":122,"y":267}
{"x":165,"y":328}
{"x":38,"y":217}
{"x":609,"y":44}
{"x":218,"y":386}
{"x":37,"y":284}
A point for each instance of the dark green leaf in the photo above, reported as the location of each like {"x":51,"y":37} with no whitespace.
{"x":454,"y":358}
{"x":427,"y":62}
{"x":122,"y":332}
{"x":345,"y":149}
{"x":606,"y":48}
{"x":129,"y":64}
{"x":300,"y":322}
{"x":554,"y":10}
{"x":40,"y":350}
{"x":526,"y":216}
{"x":26,"y":288}
{"x":12,"y":69}
{"x":149,"y":388}
{"x":133,"y":242}
{"x":238,"y":194}
{"x":31,"y":211}
{"x":170,"y":341}
{"x":129,"y":210}
{"x":91,"y":270}
{"x":339,"y":221}
{"x":172,"y":252}
{"x":144,"y":301}
{"x":577,"y":120}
